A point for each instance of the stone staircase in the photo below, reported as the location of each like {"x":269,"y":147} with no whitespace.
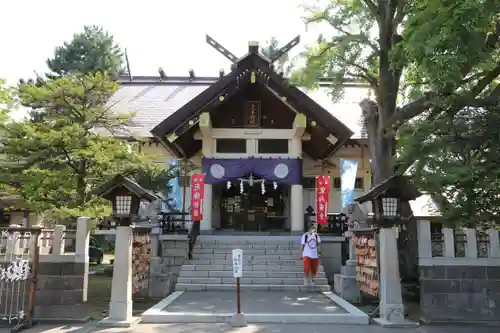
{"x":271,"y":263}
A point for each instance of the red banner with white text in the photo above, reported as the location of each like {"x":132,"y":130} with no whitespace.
{"x":197,"y":192}
{"x":322,"y":193}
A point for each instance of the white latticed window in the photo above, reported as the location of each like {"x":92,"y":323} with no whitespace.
{"x":390,"y":206}
{"x":123,"y":204}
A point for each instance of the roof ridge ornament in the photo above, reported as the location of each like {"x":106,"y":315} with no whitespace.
{"x":221,"y":49}
{"x":285,"y":49}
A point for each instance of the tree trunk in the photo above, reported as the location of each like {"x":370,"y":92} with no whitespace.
{"x":81,"y":185}
{"x":382,"y":149}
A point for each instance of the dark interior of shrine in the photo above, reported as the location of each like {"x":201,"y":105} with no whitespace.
{"x":250,"y":209}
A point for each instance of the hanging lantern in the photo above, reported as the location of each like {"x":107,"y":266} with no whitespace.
{"x":262,"y":188}
{"x":275,"y":185}
{"x":242,"y":188}
{"x":228,"y":184}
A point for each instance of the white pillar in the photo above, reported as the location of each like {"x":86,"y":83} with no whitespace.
{"x":120,"y":306}
{"x":296,"y":202}
{"x":82,"y":239}
{"x":391,"y":300}
{"x":206,"y":224}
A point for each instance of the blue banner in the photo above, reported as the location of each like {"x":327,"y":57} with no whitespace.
{"x":174,"y":197}
{"x":348,"y":171}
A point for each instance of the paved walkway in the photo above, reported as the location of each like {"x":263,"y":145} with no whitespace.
{"x":255,"y":328}
{"x":254,"y":301}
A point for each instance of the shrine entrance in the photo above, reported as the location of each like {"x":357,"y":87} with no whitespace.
{"x":253,"y":204}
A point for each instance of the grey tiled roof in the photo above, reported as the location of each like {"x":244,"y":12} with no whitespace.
{"x":152,"y":102}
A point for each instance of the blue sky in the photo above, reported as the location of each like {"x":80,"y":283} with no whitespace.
{"x":170,"y":34}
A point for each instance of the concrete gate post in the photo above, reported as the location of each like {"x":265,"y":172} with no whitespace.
{"x":120,"y":306}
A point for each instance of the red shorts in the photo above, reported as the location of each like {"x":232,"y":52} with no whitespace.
{"x":311,"y":265}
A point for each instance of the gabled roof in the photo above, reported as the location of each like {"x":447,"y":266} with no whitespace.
{"x":252,"y":64}
{"x":153,"y":100}
{"x":118,"y":181}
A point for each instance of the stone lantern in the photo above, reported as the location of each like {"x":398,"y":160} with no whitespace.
{"x":125,"y":195}
{"x":388,"y":199}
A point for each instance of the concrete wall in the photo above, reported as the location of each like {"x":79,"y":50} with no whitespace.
{"x":169,"y":254}
{"x":462,"y":285}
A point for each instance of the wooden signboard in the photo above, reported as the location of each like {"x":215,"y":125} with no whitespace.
{"x":252,"y":114}
{"x":367,"y":266}
{"x":141,"y":258}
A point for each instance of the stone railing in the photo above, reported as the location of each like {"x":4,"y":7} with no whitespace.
{"x":56,"y":244}
{"x":459,"y":274}
{"x":469,"y":246}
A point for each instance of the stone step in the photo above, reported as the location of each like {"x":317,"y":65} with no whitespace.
{"x":248,"y":280}
{"x":249,"y":274}
{"x":229,"y":267}
{"x":253,"y":287}
{"x":280,"y":262}
{"x":244,"y":245}
{"x":202,"y":256}
{"x":247,"y":251}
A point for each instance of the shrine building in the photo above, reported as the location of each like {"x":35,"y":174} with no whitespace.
{"x":259,"y":140}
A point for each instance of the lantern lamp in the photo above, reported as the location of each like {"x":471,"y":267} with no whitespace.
{"x":387,"y":198}
{"x":125,"y":196}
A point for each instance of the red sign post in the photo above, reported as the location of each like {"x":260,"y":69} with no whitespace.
{"x":197,"y":192}
{"x":322,"y":193}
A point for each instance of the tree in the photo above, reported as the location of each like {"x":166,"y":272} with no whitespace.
{"x":56,"y":162}
{"x":420,"y":58}
{"x":457,"y":158}
{"x":283,"y":64}
{"x":91,"y":51}
{"x":6,"y":101}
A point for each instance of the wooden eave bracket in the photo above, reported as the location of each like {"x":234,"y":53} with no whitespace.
{"x":205,"y":124}
{"x":299,"y":125}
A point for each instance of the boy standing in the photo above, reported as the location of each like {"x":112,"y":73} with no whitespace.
{"x":309,"y":251}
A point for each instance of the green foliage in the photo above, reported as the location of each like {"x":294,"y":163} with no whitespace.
{"x":457,"y":157}
{"x":56,"y":161}
{"x":350,"y":52}
{"x":433,"y":66}
{"x":91,"y":51}
{"x":6,"y":101}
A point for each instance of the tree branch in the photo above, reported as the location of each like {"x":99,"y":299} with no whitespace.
{"x":372,"y":8}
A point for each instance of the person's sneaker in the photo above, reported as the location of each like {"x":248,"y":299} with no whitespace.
{"x":306,"y":281}
{"x":311,"y":282}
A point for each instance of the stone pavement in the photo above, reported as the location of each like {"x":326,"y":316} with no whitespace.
{"x":255,"y":328}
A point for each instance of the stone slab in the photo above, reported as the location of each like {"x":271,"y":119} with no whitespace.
{"x":249,"y":287}
{"x":254,"y":302}
{"x":108,"y":322}
{"x":259,"y":307}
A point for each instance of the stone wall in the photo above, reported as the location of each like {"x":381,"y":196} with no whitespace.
{"x":166,"y":265}
{"x":61,"y":289}
{"x":62,"y":279}
{"x":460,"y":293}
{"x":459,"y":275}
{"x":331,"y":255}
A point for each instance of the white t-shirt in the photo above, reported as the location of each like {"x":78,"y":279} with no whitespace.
{"x":311,"y":248}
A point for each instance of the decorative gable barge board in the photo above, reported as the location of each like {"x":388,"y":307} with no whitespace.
{"x":215,"y":102}
{"x":305,"y":103}
{"x":194,"y":107}
{"x":209,"y":99}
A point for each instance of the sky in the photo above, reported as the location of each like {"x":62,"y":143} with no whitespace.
{"x":170,"y":34}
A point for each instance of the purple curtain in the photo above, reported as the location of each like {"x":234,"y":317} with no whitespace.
{"x":280,"y":170}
